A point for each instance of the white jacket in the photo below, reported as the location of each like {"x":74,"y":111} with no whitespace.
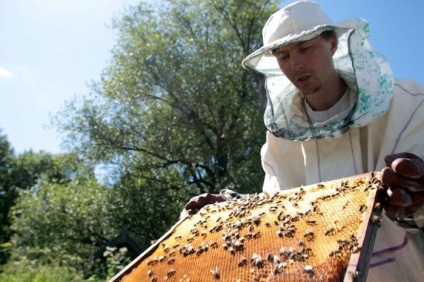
{"x":398,"y":254}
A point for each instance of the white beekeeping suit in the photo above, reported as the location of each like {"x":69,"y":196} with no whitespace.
{"x":377,"y":116}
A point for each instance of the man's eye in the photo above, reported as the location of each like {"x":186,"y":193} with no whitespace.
{"x":281,"y":56}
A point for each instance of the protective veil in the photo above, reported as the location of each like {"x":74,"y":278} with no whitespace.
{"x":364,"y":70}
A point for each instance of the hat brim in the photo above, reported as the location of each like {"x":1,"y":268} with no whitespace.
{"x":303,"y":36}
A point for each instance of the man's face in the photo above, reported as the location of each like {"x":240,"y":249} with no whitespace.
{"x":308,"y":64}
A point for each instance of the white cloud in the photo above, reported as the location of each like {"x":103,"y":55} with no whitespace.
{"x":4,"y":72}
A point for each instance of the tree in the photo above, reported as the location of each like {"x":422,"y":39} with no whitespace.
{"x":7,"y":192}
{"x":71,"y":220}
{"x":175,"y":111}
{"x":63,"y":221}
{"x":25,"y":171}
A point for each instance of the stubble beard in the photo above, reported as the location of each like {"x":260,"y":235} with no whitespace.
{"x":309,"y":89}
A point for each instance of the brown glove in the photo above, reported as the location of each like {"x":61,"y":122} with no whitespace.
{"x":404,"y":179}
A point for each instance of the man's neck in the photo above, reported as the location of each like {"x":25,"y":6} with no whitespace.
{"x":328,"y":96}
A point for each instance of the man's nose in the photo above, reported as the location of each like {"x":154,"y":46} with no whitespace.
{"x":296,"y":62}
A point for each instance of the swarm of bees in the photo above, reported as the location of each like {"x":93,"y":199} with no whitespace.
{"x":301,"y":234}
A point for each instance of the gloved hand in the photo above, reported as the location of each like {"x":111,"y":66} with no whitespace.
{"x":200,"y":201}
{"x":404,"y":179}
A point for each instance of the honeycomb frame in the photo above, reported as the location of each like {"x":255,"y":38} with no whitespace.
{"x":319,"y":232}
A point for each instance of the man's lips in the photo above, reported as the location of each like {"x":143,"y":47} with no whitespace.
{"x":303,"y":79}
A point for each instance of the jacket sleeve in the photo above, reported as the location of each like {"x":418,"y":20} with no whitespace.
{"x":412,"y":224}
{"x":409,"y":98}
{"x":271,"y":183}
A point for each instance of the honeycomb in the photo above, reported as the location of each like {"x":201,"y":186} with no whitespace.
{"x":311,"y":233}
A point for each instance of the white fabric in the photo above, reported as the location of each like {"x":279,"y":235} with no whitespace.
{"x":294,"y":163}
{"x":364,"y":70}
{"x":289,"y":22}
{"x":339,"y":111}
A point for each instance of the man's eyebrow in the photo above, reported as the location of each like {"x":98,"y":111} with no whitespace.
{"x":302,"y":42}
{"x":299,"y":43}
{"x":277,"y":49}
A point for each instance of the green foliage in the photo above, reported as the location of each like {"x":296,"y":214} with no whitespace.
{"x":174,"y":114}
{"x":8,"y":193}
{"x":26,"y":270}
{"x":73,"y":220}
{"x":64,"y":224}
{"x":30,"y":167}
{"x":116,"y":259}
{"x":26,"y":171}
{"x":60,"y":216}
{"x":26,"y":174}
{"x":174,"y":111}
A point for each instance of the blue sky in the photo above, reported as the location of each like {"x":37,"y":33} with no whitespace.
{"x":51,"y":49}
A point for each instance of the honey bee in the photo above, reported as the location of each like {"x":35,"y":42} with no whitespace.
{"x":342,"y":242}
{"x":309,"y":233}
{"x":215,"y":273}
{"x":239,"y":243}
{"x":238,"y":224}
{"x":273,"y":208}
{"x":256,"y":220}
{"x":170,"y":273}
{"x":203,"y":247}
{"x":152,"y":261}
{"x":242,"y":262}
{"x":329,"y":231}
{"x":308,"y":269}
{"x":199,"y":251}
{"x":213,"y":244}
{"x":253,"y":235}
{"x":165,"y":247}
{"x":311,"y":222}
{"x":336,"y":252}
{"x":270,"y":258}
{"x":256,"y":260}
{"x":279,"y":267}
{"x":376,"y":219}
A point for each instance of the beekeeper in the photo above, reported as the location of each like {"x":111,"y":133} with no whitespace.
{"x":335,"y":110}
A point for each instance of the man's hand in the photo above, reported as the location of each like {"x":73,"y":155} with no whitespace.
{"x":404,"y":179}
{"x":201,"y":201}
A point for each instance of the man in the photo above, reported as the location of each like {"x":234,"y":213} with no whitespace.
{"x":334,"y":110}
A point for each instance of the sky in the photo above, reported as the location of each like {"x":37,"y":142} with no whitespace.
{"x":51,"y":49}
